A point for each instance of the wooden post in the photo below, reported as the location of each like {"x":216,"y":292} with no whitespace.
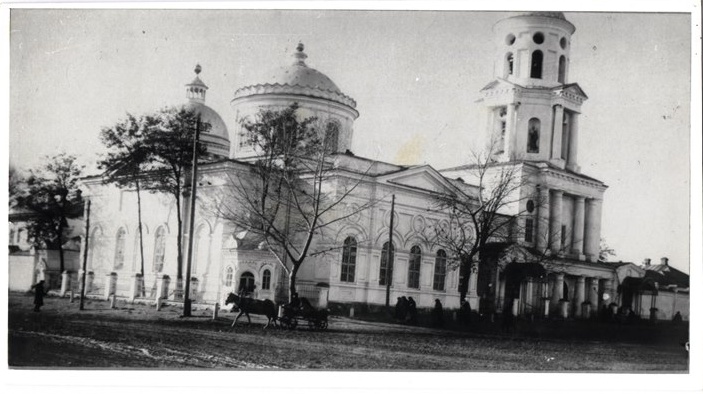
{"x":389,"y":262}
{"x":85,"y":252}
{"x":193,"y":188}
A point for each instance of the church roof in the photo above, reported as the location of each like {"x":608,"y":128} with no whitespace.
{"x":298,"y":79}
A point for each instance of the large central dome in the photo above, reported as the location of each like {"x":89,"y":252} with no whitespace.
{"x":299,"y":74}
{"x":298,"y":79}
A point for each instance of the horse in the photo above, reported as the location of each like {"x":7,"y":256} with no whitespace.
{"x":257,"y":307}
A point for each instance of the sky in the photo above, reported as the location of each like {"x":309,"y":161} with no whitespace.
{"x":415,"y":76}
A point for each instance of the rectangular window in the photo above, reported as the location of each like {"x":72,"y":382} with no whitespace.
{"x":563,"y":236}
{"x":529,"y":227}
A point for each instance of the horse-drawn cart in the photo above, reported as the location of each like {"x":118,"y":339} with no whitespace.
{"x":291,"y":315}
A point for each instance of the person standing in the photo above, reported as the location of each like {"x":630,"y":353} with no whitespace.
{"x":412,"y":311}
{"x":39,"y":294}
{"x":438,"y":314}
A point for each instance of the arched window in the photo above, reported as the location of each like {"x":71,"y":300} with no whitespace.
{"x":562,"y":69}
{"x":246,"y":282}
{"x":440,"y":270}
{"x":119,"y":248}
{"x":332,"y":137}
{"x":414,"y":267}
{"x":229,"y":275}
{"x":533,"y":129}
{"x":348,"y":260}
{"x":159,"y":249}
{"x":386,"y":261}
{"x":266,"y":280}
{"x":536,"y":65}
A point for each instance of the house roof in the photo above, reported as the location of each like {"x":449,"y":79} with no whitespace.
{"x":666,"y":275}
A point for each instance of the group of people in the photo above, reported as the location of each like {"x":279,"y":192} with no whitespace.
{"x":406,"y":310}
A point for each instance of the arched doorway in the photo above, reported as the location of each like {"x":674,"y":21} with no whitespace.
{"x":246,"y":282}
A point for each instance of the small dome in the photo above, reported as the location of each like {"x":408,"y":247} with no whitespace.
{"x":216,"y":137}
{"x":298,"y":79}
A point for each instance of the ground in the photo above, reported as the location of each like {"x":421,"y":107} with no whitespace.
{"x":138,"y":336}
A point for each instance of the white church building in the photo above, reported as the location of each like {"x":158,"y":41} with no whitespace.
{"x":531,"y":107}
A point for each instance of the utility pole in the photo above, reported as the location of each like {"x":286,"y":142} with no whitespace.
{"x":389,"y":266}
{"x":85,"y":253}
{"x":191,"y":225}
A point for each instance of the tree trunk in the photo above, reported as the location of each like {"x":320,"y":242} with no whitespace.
{"x":141,"y":235}
{"x":465,"y":274}
{"x":61,"y":261}
{"x":291,"y":281}
{"x":179,"y":239}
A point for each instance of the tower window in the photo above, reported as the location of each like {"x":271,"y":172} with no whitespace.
{"x":509,"y":63}
{"x":562,"y":69}
{"x":529,"y":225}
{"x":510,"y":39}
{"x":538,"y":38}
{"x":533,"y":129}
{"x":562,"y":43}
{"x":536,"y":65}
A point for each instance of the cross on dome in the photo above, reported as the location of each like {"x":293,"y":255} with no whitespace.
{"x":299,"y":55}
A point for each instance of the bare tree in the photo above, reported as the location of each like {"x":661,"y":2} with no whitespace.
{"x":293,"y":191}
{"x":605,"y":252}
{"x":493,"y":213}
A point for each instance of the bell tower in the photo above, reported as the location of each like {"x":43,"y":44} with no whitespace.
{"x":531,"y":108}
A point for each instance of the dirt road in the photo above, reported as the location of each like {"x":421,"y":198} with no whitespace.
{"x":137,"y":336}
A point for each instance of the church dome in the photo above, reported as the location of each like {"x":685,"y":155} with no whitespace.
{"x":298,"y":79}
{"x":215,"y":136}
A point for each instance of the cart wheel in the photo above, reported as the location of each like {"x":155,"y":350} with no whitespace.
{"x":293,"y":323}
{"x":322,"y":324}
